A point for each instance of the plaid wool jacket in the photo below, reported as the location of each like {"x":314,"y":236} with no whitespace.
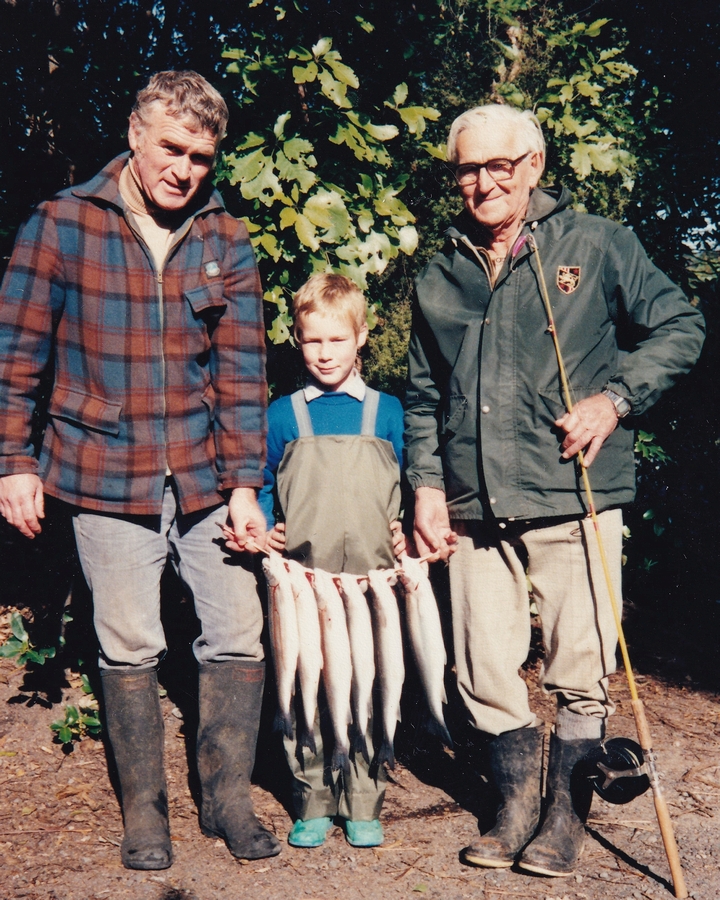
{"x":152,"y":370}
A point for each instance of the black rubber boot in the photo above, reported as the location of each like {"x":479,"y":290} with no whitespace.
{"x":230,"y":700}
{"x":516,"y":767}
{"x":556,"y":849}
{"x":135,"y":729}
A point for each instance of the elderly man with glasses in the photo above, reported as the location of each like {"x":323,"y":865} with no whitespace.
{"x":492,"y":459}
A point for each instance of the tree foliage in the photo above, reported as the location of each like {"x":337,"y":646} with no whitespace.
{"x":314,"y":171}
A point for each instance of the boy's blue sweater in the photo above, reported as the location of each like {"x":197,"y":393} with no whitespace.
{"x":332,"y":413}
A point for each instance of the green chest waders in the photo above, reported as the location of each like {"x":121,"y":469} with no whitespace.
{"x":338,"y":494}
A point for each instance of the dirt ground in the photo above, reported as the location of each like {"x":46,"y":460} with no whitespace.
{"x":60,"y":823}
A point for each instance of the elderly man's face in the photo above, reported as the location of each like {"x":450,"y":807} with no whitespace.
{"x":499,"y":206}
{"x":171,"y":157}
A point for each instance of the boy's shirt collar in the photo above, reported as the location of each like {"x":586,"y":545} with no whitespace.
{"x":354,"y":387}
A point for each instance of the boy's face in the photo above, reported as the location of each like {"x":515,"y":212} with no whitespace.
{"x":329,"y":345}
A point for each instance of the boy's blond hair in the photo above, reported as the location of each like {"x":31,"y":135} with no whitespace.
{"x":330,"y":293}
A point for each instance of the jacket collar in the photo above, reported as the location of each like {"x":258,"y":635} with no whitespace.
{"x":105,"y":187}
{"x":544,"y":202}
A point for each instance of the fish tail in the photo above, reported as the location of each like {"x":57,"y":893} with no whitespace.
{"x":438,"y":728}
{"x":283,"y":723}
{"x":386,"y":753}
{"x":358,"y":742}
{"x":306,"y":738}
{"x":341,"y":759}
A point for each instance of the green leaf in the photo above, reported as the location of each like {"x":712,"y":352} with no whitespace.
{"x":408,"y":239}
{"x":401,"y":94}
{"x":295,"y":148}
{"x":592,"y":91}
{"x":414,"y":117}
{"x":379,"y":132}
{"x":326,"y":210}
{"x":270,"y":245}
{"x":64,"y":734}
{"x":342,"y":72}
{"x":334,"y":90}
{"x":323,"y":46}
{"x":305,"y":74}
{"x":295,"y":171}
{"x":279,"y":332}
{"x":580,"y":160}
{"x":288,"y":216}
{"x":279,"y":125}
{"x":11,"y":647}
{"x":17,"y":626}
{"x":366,"y":26}
{"x":437,"y":151}
{"x":306,"y":232}
{"x":593,"y":30}
{"x":247,"y":167}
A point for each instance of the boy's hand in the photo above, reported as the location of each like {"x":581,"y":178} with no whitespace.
{"x":399,"y":541}
{"x":276,"y":537}
{"x":247,"y":522}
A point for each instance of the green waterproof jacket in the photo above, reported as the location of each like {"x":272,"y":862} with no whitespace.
{"x":484,"y":388}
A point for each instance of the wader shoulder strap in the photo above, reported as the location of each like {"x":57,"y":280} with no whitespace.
{"x":302,"y":414}
{"x":370,"y":409}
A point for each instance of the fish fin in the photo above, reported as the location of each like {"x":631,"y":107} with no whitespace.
{"x":283,"y":723}
{"x":386,"y":754}
{"x":439,"y":729}
{"x":358,"y":742}
{"x":306,"y":738}
{"x":340,"y":759}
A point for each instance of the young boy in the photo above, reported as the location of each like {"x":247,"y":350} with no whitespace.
{"x":334,"y":450}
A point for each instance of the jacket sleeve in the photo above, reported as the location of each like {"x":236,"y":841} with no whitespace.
{"x":667,"y":332}
{"x":238,"y":370}
{"x":31,"y":299}
{"x":422,"y":405}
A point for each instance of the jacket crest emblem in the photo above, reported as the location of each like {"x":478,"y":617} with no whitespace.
{"x":568,"y":278}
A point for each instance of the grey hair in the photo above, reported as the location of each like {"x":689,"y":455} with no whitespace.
{"x":184,"y":95}
{"x":497,"y":116}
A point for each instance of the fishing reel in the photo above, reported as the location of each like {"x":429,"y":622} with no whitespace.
{"x":617,"y":770}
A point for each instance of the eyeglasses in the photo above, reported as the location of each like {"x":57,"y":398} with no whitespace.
{"x":497,"y":169}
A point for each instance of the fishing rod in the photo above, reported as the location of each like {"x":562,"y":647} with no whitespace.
{"x":643,"y":730}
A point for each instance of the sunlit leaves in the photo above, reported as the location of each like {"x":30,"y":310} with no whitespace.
{"x":318,"y":179}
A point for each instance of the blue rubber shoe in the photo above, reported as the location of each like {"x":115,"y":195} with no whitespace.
{"x":310,"y":832}
{"x":364,"y":834}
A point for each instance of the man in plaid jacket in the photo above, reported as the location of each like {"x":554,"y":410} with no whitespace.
{"x":142,"y":292}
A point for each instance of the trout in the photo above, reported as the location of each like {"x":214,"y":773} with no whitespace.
{"x":284,"y":637}
{"x":425,"y":631}
{"x":388,"y":655}
{"x":337,"y":664}
{"x":362,"y":651}
{"x":310,"y":660}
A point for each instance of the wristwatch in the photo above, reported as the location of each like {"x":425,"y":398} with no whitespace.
{"x":622,"y":406}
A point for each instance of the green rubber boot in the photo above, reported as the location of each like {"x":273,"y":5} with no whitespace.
{"x":516,"y":767}
{"x":136,"y":733}
{"x":230,"y":698}
{"x":556,"y":849}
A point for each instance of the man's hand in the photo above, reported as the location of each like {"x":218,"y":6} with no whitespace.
{"x":22,"y":502}
{"x":276,"y":539}
{"x":247,"y":522}
{"x":433,"y":536}
{"x":588,"y":426}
